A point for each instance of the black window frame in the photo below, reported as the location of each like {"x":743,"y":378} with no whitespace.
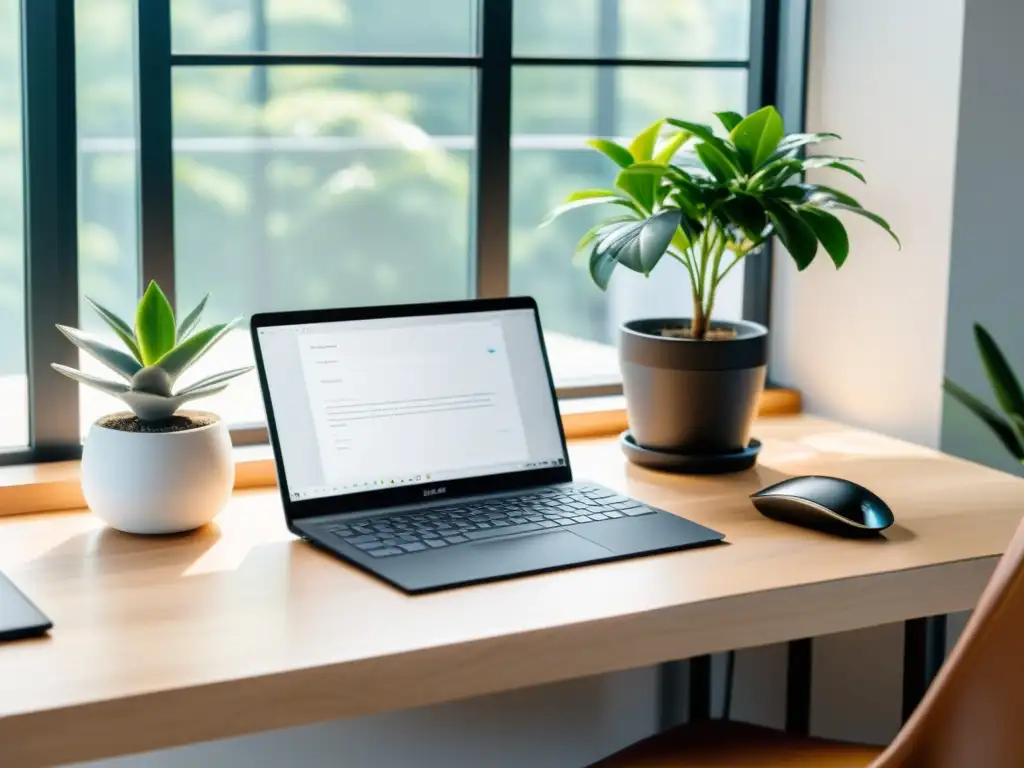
{"x":775,"y":65}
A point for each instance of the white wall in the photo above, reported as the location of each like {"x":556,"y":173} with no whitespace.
{"x":567,"y":725}
{"x":865,"y":344}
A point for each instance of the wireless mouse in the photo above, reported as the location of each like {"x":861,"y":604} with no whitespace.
{"x":826,"y":503}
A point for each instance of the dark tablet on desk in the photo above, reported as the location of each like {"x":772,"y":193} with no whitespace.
{"x":18,"y":616}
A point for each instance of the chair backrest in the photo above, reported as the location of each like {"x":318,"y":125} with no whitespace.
{"x":973,"y":714}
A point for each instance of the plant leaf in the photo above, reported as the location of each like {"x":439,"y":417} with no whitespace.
{"x":154,"y":380}
{"x":715,"y":162}
{"x":1002,"y":429}
{"x":177,"y":360}
{"x":747,"y":213}
{"x":833,"y":162}
{"x":598,"y":230}
{"x":707,"y":135}
{"x":637,"y":245}
{"x":729,"y":119}
{"x":820,"y":191}
{"x":589,"y":194}
{"x":797,"y":236}
{"x":572,"y":206}
{"x":642,"y":146}
{"x":1004,"y":382}
{"x":119,"y":326}
{"x":793,"y":193}
{"x":614,"y":243}
{"x":150,"y":407}
{"x":196,"y":393}
{"x":757,"y":136}
{"x":656,"y":236}
{"x":616,"y":152}
{"x":641,"y":183}
{"x":154,"y":324}
{"x":796,"y":140}
{"x":104,"y":385}
{"x":868,"y":215}
{"x":830,"y":231}
{"x":669,"y":148}
{"x":602,"y":264}
{"x":774,"y":173}
{"x":215,"y":379}
{"x":119,"y":361}
{"x":186,"y":326}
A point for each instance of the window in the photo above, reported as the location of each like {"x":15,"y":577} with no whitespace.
{"x":13,"y":389}
{"x":337,"y":152}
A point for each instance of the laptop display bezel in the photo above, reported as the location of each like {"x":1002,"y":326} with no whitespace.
{"x":302,"y":509}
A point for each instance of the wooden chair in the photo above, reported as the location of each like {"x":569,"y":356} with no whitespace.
{"x":971,"y":717}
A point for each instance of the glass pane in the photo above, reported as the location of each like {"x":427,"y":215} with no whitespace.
{"x":13,"y":390}
{"x":554,"y":111}
{"x":646,"y":29}
{"x":325,"y":26}
{"x":311,"y":187}
{"x":107,"y":203}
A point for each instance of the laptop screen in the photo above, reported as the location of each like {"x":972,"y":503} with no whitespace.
{"x":378,"y":404}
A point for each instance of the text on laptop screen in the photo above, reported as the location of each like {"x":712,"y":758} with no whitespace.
{"x":366,"y":405}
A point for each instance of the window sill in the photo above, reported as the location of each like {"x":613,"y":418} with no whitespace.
{"x":52,"y":487}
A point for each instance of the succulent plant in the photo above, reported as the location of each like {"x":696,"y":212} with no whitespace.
{"x":159,"y":351}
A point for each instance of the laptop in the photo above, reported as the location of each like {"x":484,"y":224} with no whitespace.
{"x":423,"y":444}
{"x":19,"y":618}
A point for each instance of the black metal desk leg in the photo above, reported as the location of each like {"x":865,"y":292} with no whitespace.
{"x":700,"y":688}
{"x":670,"y":698}
{"x":924,"y":650}
{"x":798,"y":687}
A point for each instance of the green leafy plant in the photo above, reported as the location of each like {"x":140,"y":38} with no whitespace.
{"x":159,"y":350}
{"x":709,"y":201}
{"x":1008,"y":392}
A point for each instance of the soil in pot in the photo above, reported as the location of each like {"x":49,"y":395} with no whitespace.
{"x":712,"y":334}
{"x":179,"y":422}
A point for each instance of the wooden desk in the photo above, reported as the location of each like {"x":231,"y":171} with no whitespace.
{"x":239,"y":628}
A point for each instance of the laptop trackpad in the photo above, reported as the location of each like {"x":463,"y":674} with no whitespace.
{"x":538,"y":550}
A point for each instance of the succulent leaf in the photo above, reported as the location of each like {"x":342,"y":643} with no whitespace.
{"x":154,"y":324}
{"x":217,"y":378}
{"x":119,"y":326}
{"x":152,"y":380}
{"x":121,"y":362}
{"x":191,"y":320}
{"x":195,"y":394}
{"x":177,"y":360}
{"x":150,"y":407}
{"x":104,"y":385}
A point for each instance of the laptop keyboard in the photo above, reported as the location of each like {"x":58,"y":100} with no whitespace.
{"x":439,"y":527}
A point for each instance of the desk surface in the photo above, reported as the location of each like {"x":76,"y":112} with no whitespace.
{"x":240,"y":628}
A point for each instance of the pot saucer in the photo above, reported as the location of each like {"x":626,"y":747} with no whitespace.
{"x":689,"y":464}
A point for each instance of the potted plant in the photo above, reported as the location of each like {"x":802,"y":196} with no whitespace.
{"x":1008,"y":426}
{"x":155,"y":468}
{"x":709,"y":202}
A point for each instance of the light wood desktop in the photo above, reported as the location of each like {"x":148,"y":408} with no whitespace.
{"x":240,"y":628}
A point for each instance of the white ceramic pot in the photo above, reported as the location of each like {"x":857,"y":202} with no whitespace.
{"x":167,"y":482}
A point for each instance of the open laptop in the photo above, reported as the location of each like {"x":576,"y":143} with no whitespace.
{"x":423,"y":444}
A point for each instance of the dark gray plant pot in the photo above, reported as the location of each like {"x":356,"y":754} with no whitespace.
{"x":692,"y":397}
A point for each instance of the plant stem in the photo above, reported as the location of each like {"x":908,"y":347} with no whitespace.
{"x":698,"y":325}
{"x":709,"y":304}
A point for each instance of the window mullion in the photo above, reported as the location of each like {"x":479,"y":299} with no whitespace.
{"x":494,"y":139}
{"x":155,"y":150}
{"x":51,"y":223}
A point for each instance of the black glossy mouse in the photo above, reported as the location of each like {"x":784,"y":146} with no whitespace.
{"x":826,"y":503}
